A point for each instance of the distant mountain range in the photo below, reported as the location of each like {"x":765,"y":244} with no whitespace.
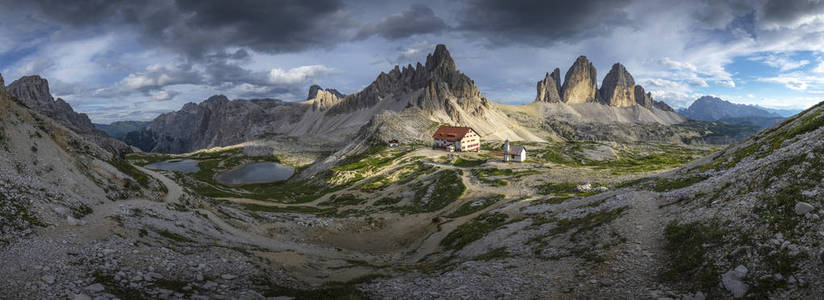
{"x":708,"y":108}
{"x":119,"y":129}
{"x":408,"y":102}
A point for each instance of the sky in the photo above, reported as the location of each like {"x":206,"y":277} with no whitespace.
{"x":132,"y":60}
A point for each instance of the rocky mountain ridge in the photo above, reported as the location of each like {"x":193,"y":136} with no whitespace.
{"x":33,"y":92}
{"x":618,"y":89}
{"x":119,"y":129}
{"x":436,"y":89}
{"x":709,"y":108}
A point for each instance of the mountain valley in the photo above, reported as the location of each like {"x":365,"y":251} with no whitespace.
{"x":619,"y":196}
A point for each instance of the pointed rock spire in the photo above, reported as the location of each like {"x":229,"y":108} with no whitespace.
{"x":643,"y":98}
{"x":580,"y":85}
{"x":618,"y":87}
{"x":440,"y":59}
{"x":549,"y":89}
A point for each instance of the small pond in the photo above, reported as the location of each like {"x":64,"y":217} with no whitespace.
{"x":178,"y":165}
{"x":256,"y":173}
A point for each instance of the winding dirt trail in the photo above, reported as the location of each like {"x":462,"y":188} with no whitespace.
{"x":175,"y":191}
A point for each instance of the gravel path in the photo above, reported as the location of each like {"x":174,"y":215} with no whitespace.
{"x":174,"y":190}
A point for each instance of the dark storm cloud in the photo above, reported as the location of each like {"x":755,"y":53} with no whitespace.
{"x":539,"y":22}
{"x":787,"y":12}
{"x":197,"y":27}
{"x":418,"y":19}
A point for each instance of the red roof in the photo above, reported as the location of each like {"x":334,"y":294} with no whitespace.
{"x":451,"y":133}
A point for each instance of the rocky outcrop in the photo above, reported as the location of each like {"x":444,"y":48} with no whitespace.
{"x":33,"y":92}
{"x":324,"y":99}
{"x":549,"y":89}
{"x":580,"y":83}
{"x":618,"y":87}
{"x":662,"y":106}
{"x":643,"y":98}
{"x":443,"y":86}
{"x":314,"y":89}
{"x":216,"y":122}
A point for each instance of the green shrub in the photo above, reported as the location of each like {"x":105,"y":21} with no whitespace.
{"x":471,"y":231}
{"x":688,"y":246}
{"x":463,"y":163}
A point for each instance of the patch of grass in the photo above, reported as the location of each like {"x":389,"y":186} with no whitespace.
{"x":375,"y":183}
{"x":286,"y":209}
{"x":173,"y":236}
{"x":666,"y":185}
{"x":387,"y":201}
{"x":558,"y":188}
{"x":463,"y":163}
{"x":333,"y":290}
{"x":490,"y":172}
{"x":778,"y":210}
{"x":494,"y":182}
{"x":473,"y":230}
{"x":589,"y":222}
{"x":445,"y":188}
{"x":474,"y":206}
{"x":81,"y":211}
{"x":125,"y":167}
{"x":688,"y":246}
{"x":551,"y":200}
{"x":497,"y":253}
{"x":343,"y":200}
{"x":808,"y":123}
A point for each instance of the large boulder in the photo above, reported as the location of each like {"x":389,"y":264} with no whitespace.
{"x":580,"y":83}
{"x":549,"y":89}
{"x":618,"y":87}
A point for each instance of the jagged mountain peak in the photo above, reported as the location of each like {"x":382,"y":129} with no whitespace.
{"x":618,"y":87}
{"x":217,"y":99}
{"x":549,"y":89}
{"x":315,"y":89}
{"x":32,"y":90}
{"x":440,"y":59}
{"x":324,"y":99}
{"x":580,"y":82}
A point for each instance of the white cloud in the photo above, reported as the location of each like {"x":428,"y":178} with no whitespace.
{"x":297,"y":75}
{"x":797,"y":81}
{"x":162,"y":95}
{"x":781,"y":62}
{"x":820,"y":68}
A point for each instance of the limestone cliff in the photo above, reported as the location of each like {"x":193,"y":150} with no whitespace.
{"x":643,"y":98}
{"x":549,"y":89}
{"x":33,"y":92}
{"x":618,"y":87}
{"x":314,"y":89}
{"x":580,"y":83}
{"x":323,"y":99}
{"x":443,"y":88}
